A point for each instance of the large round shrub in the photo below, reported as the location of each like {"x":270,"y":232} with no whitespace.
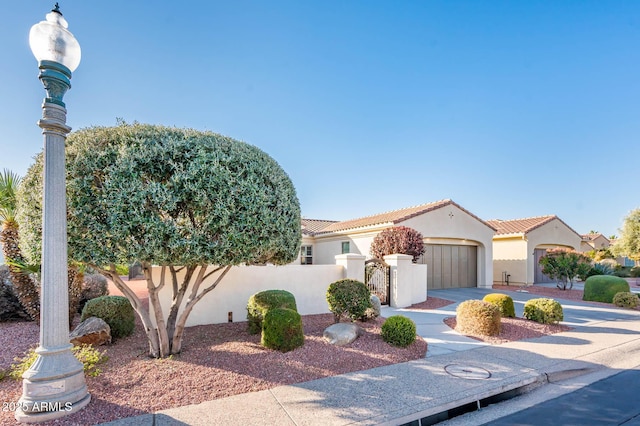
{"x":260,"y":303}
{"x":399,"y":330}
{"x":478,"y":317}
{"x":503,"y":302}
{"x":626,"y":299}
{"x":115,"y":311}
{"x":348,"y":298}
{"x":602,"y":288}
{"x":543,"y":310}
{"x":282,"y":330}
{"x":398,"y":240}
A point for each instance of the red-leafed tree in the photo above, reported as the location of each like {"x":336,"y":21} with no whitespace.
{"x":398,"y":240}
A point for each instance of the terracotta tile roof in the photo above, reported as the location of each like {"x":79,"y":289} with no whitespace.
{"x":311,"y":226}
{"x":393,"y":217}
{"x":524,"y":226}
{"x":591,"y":237}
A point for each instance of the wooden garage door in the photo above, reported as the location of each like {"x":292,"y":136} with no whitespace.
{"x":451,"y":266}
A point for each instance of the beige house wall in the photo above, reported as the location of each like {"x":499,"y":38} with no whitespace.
{"x":448,"y":225}
{"x":510,"y":257}
{"x":516,"y":255}
{"x":451,"y":225}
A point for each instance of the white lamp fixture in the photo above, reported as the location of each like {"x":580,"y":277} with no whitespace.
{"x":54,"y":386}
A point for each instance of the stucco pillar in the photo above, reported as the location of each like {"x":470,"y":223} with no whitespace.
{"x":353,"y":265}
{"x":401,"y":282}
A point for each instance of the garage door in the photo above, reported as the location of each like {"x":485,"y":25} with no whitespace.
{"x":450,"y":266}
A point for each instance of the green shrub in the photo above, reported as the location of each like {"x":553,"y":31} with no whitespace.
{"x":399,"y":330}
{"x":282,"y":330}
{"x":115,"y":311}
{"x":260,"y":303}
{"x":544,"y":311}
{"x":635,"y":272}
{"x":86,"y":354}
{"x":348,"y":298}
{"x":478,"y":317}
{"x":626,"y":299}
{"x":602,"y":288}
{"x":503,"y":302}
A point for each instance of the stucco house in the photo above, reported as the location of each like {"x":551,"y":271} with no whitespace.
{"x":594,"y":242}
{"x":519,"y":244}
{"x":458,"y":244}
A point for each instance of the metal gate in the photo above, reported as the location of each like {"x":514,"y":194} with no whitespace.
{"x":377,"y":279}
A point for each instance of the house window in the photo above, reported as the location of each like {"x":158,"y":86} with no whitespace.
{"x":306,"y":255}
{"x":345,"y":247}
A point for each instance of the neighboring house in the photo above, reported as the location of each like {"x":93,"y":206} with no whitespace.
{"x":593,"y":242}
{"x":520,"y":243}
{"x":624,"y":260}
{"x":458,"y":244}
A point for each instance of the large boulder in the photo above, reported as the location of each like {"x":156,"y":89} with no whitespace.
{"x":10,"y":307}
{"x":342,"y":333}
{"x":92,"y":331}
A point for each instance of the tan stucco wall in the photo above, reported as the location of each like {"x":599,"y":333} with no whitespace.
{"x":516,"y":255}
{"x":455,"y":226}
{"x":327,"y":247}
{"x":510,"y":256}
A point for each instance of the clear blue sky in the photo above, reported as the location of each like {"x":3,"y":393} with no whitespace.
{"x":512,"y":109}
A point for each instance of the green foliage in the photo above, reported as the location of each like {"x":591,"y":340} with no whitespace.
{"x":86,"y":354}
{"x":626,"y":299}
{"x":282,"y":330}
{"x":260,"y":303}
{"x":564,"y":265}
{"x":399,"y":331}
{"x":629,"y":242}
{"x":602,"y":288}
{"x":621,"y":271}
{"x":398,"y":240}
{"x":543,"y":310}
{"x":348,"y":298}
{"x":169,"y":196}
{"x":635,"y":272}
{"x":115,"y":311}
{"x":9,"y":184}
{"x":503,"y":302}
{"x":478,"y":317}
{"x":122,"y":270}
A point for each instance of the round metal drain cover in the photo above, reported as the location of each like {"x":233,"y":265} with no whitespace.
{"x":467,"y":372}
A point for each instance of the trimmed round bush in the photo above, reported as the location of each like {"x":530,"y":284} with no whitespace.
{"x":626,"y":299}
{"x":115,"y":311}
{"x":602,"y":288}
{"x":478,"y":317}
{"x":348,"y":298}
{"x":260,"y":303}
{"x":543,"y":310}
{"x":503,"y":302}
{"x":399,"y":331}
{"x":282,"y":330}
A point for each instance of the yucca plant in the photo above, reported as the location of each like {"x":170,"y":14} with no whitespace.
{"x":26,"y":288}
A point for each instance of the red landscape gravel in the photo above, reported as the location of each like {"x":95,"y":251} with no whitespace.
{"x":217,"y":361}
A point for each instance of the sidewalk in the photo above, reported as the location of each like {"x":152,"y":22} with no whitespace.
{"x":457,"y":371}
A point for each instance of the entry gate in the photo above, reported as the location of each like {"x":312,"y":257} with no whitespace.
{"x":377,"y":278}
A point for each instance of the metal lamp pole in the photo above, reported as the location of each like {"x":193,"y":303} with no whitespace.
{"x":54,"y":386}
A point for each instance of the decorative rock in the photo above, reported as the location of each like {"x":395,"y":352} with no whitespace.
{"x":375,"y":305}
{"x":342,"y":333}
{"x":92,"y":331}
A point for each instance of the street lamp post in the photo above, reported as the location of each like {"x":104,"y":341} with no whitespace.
{"x":54,"y":386}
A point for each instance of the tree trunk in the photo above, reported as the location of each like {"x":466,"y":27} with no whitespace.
{"x":150,"y":330}
{"x":75,"y":279}
{"x":154,"y":302}
{"x":26,"y":289}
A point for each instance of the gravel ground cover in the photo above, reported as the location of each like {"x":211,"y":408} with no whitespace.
{"x":217,"y":361}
